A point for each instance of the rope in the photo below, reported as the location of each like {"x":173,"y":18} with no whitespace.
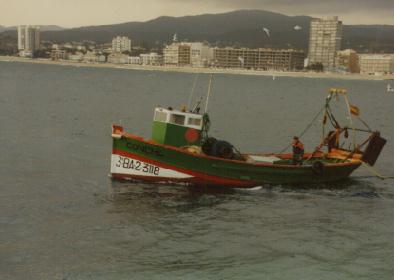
{"x":364,"y":123}
{"x":306,"y":129}
{"x":376,"y":172}
{"x":333,"y":121}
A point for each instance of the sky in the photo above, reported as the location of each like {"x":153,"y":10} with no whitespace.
{"x":74,"y":13}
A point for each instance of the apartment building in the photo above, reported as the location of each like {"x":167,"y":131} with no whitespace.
{"x":28,"y":40}
{"x":325,"y":41}
{"x":121,"y":44}
{"x":258,"y":59}
{"x":151,"y":59}
{"x":195,"y":54}
{"x":376,"y":63}
{"x":348,"y":61}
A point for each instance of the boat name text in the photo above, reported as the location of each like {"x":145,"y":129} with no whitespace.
{"x":144,"y":149}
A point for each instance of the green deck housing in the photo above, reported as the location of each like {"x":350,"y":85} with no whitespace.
{"x":176,"y":128}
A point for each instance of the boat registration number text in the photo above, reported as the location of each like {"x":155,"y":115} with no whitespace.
{"x":128,"y":163}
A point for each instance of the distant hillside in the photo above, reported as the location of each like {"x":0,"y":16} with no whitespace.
{"x":243,"y":27}
{"x":238,"y":28}
{"x":372,"y":38}
{"x":8,"y":43}
{"x":42,"y":27}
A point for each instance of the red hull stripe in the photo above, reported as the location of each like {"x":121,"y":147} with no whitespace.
{"x":199,"y":178}
{"x":153,"y":179}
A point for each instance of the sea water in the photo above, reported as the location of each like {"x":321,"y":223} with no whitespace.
{"x":61,"y":217}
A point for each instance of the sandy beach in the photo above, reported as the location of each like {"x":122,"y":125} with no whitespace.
{"x":347,"y":76}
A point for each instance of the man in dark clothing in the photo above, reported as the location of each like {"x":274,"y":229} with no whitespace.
{"x":298,"y":151}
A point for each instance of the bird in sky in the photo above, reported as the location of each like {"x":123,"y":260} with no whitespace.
{"x":267,"y":31}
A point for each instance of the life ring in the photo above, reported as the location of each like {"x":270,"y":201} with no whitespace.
{"x":318,"y":168}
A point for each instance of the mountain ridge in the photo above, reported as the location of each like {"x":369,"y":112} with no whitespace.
{"x":242,"y":28}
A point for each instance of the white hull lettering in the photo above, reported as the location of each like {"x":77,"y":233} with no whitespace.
{"x":131,"y":166}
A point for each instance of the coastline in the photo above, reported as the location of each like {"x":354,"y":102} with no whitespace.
{"x":186,"y":69}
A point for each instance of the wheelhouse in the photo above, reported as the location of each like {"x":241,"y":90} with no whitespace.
{"x":176,"y":128}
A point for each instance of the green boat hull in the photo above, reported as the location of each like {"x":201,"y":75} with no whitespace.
{"x":137,"y":159}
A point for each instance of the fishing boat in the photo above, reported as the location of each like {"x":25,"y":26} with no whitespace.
{"x":181,"y":150}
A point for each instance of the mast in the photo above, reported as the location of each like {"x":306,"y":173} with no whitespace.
{"x":350,"y":119}
{"x":348,"y":106}
{"x":209,"y":93}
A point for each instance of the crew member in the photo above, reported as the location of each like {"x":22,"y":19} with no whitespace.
{"x":298,"y":151}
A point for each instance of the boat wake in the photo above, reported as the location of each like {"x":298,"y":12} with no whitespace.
{"x":254,"y":189}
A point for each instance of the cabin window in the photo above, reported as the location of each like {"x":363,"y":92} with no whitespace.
{"x":177,"y":119}
{"x":193,"y":121}
{"x":161,"y":116}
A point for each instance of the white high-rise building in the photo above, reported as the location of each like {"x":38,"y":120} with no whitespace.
{"x":324,"y":41}
{"x":121,"y":44}
{"x":28,"y":40}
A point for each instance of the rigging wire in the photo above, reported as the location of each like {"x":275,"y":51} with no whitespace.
{"x":364,"y":123}
{"x":208,"y":94}
{"x":192,"y":91}
{"x":306,"y":129}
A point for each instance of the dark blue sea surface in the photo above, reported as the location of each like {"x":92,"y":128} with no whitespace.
{"x":61,"y":217}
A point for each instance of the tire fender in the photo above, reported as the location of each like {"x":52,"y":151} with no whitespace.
{"x":318,"y":168}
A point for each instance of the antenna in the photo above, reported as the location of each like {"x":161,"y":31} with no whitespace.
{"x":209,"y":93}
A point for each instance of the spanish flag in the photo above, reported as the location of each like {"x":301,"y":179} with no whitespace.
{"x":354,"y":110}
